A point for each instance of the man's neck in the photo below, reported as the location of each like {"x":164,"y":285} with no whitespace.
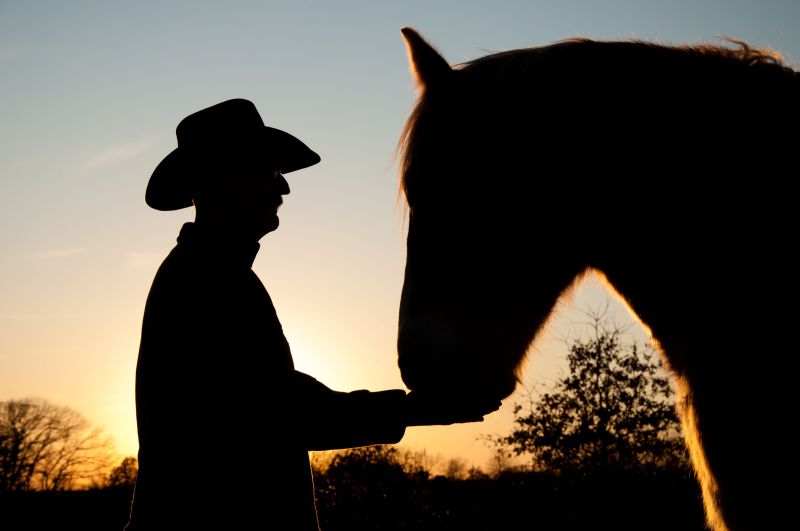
{"x":224,"y":229}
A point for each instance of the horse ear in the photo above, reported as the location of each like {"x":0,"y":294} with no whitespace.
{"x":427,"y":65}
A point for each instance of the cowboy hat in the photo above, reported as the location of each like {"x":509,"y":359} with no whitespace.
{"x":230,"y":128}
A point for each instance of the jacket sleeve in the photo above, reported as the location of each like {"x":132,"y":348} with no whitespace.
{"x":320,"y":418}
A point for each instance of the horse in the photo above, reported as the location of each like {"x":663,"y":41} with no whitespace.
{"x":667,"y":170}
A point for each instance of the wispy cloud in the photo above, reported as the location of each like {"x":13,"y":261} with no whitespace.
{"x":61,"y":253}
{"x":116,"y":154}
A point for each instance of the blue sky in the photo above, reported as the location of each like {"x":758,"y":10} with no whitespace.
{"x":92,"y":92}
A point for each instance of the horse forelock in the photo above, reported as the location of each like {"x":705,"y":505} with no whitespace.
{"x":406,"y":146}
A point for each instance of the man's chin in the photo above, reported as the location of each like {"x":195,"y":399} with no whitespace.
{"x":272,"y":223}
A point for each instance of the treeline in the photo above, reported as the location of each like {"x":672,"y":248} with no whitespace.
{"x":386,"y":488}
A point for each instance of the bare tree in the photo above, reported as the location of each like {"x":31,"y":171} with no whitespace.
{"x":456,"y":468}
{"x":48,"y":447}
{"x":500,"y":462}
{"x":417,"y":464}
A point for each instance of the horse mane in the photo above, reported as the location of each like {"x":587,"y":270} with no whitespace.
{"x":730,"y":55}
{"x":731,"y":49}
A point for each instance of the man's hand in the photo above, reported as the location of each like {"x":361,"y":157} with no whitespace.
{"x":429,"y":409}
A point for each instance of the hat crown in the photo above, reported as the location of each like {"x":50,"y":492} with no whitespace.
{"x":228,"y":122}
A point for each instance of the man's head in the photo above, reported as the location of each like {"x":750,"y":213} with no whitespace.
{"x":229,"y":165}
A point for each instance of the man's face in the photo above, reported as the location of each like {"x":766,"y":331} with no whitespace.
{"x":261,"y":194}
{"x":246,"y":194}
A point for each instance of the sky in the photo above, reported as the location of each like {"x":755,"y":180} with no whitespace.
{"x":92,"y":93}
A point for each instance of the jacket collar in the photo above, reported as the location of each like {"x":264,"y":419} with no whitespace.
{"x":219,"y":247}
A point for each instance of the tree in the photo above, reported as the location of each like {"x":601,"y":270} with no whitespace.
{"x":123,"y":475}
{"x":363,"y":488}
{"x":500,"y":461}
{"x":613,"y":411}
{"x":456,"y":468}
{"x":48,"y":447}
{"x":359,"y":470}
{"x":417,"y":464}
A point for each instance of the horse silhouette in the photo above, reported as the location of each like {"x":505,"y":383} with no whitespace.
{"x":666,"y":169}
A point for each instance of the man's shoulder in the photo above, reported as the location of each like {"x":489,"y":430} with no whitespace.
{"x":177,"y":273}
{"x":178,"y":264}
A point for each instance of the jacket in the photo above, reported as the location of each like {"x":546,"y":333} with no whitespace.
{"x":225,"y":422}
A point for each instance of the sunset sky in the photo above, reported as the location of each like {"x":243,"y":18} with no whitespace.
{"x":92,"y":93}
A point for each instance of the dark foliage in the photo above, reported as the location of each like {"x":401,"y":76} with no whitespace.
{"x":124,"y":475}
{"x":370,"y":476}
{"x":366,"y":491}
{"x":376,"y":494}
{"x":77,"y":510}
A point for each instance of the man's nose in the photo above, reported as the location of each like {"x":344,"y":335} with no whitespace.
{"x":283,"y":186}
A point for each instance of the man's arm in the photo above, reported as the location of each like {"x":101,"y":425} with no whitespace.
{"x":324,"y":419}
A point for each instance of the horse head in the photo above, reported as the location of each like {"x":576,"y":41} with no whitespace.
{"x":664,"y":167}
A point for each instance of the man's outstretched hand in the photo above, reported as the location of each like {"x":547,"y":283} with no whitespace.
{"x":433,"y":409}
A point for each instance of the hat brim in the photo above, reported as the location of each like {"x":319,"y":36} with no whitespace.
{"x":170,"y":186}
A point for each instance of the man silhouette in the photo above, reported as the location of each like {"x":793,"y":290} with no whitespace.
{"x":225,"y":423}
